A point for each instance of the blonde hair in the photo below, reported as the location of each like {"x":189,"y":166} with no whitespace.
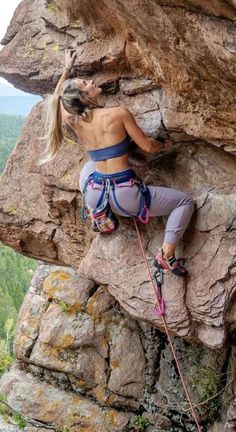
{"x":73,"y":101}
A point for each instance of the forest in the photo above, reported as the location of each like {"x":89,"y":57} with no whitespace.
{"x":15,"y":269}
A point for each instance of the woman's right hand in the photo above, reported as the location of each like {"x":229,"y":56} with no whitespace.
{"x":70,"y":56}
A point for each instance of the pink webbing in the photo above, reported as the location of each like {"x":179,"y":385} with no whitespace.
{"x":199,"y":429}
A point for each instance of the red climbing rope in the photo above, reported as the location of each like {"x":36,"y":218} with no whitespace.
{"x":166,"y":329}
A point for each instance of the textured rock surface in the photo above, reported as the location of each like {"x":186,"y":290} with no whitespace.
{"x":231,"y":418}
{"x":74,"y":327}
{"x":6,"y":427}
{"x":87,"y":364}
{"x":173,"y":65}
{"x":49,"y":404}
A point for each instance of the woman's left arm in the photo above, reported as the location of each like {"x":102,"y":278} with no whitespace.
{"x":70,"y":56}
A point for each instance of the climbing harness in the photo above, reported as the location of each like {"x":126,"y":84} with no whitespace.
{"x":159,"y":308}
{"x":103,"y":218}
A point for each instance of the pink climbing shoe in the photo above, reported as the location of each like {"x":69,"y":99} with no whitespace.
{"x":170,"y":264}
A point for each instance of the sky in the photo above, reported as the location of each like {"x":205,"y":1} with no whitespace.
{"x":5,"y":17}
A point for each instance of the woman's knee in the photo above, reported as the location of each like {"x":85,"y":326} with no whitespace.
{"x":188,"y":200}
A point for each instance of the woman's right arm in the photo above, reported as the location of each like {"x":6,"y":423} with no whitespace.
{"x":70,"y":57}
{"x":149,"y":145}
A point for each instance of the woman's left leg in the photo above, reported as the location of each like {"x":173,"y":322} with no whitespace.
{"x":164,"y":202}
{"x":179,"y":207}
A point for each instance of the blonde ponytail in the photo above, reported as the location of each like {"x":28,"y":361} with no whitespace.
{"x":53,"y":129}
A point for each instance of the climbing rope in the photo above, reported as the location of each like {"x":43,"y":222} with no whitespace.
{"x":160,"y":311}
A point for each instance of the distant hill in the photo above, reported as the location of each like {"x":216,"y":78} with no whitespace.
{"x":10,"y":128}
{"x":16,"y":102}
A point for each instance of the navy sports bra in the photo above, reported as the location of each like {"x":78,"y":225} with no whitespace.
{"x":110,"y":152}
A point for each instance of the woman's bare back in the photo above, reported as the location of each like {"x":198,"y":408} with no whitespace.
{"x":105,"y":129}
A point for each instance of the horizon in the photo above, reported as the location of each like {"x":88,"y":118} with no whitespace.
{"x":8,"y":90}
{"x":16,"y":102}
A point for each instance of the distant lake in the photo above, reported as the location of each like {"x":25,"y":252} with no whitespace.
{"x":18,"y":105}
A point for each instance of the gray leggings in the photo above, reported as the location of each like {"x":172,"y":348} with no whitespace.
{"x":165,"y":202}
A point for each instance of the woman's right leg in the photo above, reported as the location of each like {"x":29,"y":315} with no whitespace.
{"x":88,"y":168}
{"x":91,"y":195}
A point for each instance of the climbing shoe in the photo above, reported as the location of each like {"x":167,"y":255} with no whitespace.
{"x":170,"y":264}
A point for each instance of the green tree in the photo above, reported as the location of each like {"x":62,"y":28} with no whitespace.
{"x":15,"y":269}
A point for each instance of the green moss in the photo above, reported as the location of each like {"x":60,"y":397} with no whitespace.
{"x":65,"y":307}
{"x":139,"y":423}
{"x":19,"y":420}
{"x":206,"y":382}
{"x":6,"y":360}
{"x":9,"y":415}
{"x":4,"y":410}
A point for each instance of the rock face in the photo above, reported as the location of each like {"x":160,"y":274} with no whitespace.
{"x":85,"y":363}
{"x":173,"y":65}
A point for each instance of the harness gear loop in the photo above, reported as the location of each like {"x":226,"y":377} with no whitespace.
{"x":199,"y":429}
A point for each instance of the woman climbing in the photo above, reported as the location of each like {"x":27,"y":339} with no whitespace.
{"x":107,"y":177}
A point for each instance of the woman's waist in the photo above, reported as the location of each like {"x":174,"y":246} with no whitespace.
{"x":116,"y":177}
{"x":114,"y":165}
